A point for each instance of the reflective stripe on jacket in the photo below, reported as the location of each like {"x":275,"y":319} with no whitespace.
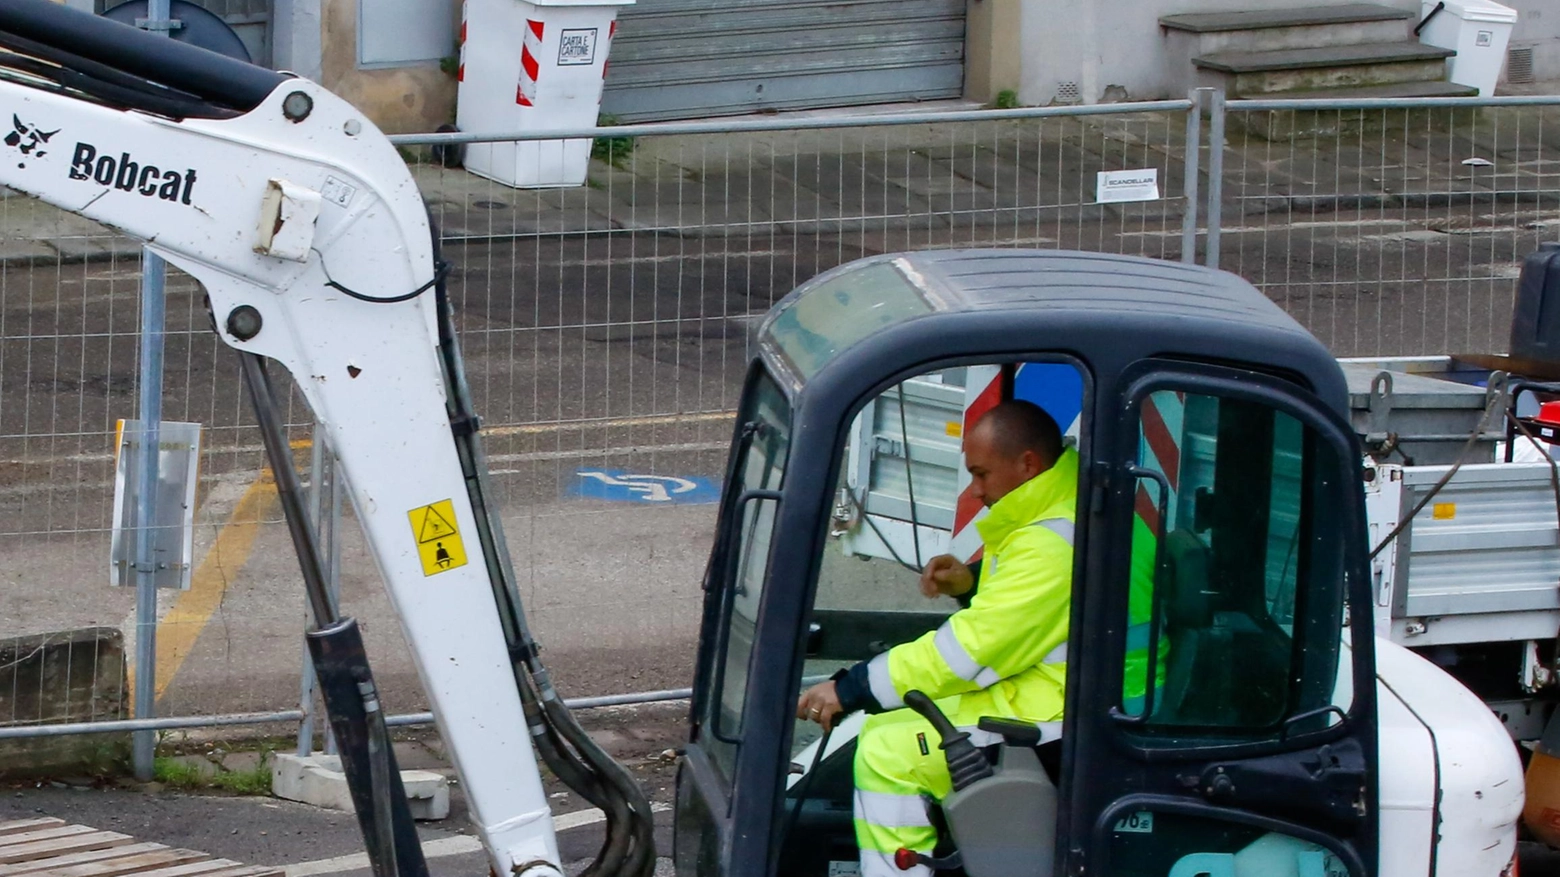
{"x":1006,"y":653}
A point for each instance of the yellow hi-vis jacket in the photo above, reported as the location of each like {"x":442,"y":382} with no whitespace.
{"x":1006,"y":653}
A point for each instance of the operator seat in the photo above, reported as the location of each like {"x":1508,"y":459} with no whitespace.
{"x":1189,"y":613}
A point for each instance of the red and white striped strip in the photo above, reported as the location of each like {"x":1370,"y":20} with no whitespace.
{"x":525,"y":94}
{"x":982,"y":392}
{"x":606,"y":52}
{"x":460,"y":73}
{"x":1161,"y":450}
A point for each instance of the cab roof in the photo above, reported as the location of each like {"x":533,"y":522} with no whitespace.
{"x":950,"y":303}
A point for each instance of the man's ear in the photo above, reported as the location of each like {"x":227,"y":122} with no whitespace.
{"x":1032,"y":463}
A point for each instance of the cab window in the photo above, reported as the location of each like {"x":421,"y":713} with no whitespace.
{"x":761,"y":467}
{"x":903,"y":497}
{"x":1223,"y":563}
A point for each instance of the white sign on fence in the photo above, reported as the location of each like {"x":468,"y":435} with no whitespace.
{"x":1135,"y":185}
{"x":173,"y":516}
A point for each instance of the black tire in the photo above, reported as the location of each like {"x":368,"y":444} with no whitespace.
{"x":449,"y":155}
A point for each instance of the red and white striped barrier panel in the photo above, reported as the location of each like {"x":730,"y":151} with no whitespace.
{"x":460,"y":72}
{"x":530,"y":50}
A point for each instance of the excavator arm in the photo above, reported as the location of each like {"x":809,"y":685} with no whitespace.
{"x":310,"y":238}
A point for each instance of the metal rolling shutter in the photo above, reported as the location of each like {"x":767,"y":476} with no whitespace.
{"x":674,"y":59}
{"x":251,"y":20}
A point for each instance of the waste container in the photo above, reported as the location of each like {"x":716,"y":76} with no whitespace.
{"x":526,"y":66}
{"x":1478,"y":30}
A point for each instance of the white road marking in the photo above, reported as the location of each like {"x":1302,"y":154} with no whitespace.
{"x":525,"y":429}
{"x":456,"y":845}
{"x":671,"y":257}
{"x":597,"y":453}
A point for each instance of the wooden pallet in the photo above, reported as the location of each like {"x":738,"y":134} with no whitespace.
{"x":48,"y":847}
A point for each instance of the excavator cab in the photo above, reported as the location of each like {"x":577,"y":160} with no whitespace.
{"x":1218,"y":498}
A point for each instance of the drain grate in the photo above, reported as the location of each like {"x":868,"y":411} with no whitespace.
{"x":1068,"y":93}
{"x":1519,"y":65}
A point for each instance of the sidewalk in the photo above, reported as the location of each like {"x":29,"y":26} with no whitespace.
{"x":938,"y":176}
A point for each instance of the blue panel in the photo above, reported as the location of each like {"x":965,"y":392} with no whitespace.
{"x":1054,"y":386}
{"x":619,"y":486}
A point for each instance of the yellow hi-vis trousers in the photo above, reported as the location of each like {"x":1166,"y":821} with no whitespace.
{"x":897,"y":761}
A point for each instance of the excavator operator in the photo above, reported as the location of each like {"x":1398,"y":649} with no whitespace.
{"x":1002,"y":654}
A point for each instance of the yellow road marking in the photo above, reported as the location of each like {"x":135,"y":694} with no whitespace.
{"x":178,"y":631}
{"x":647,"y":420}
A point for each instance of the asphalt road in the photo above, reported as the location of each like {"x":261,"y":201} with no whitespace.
{"x":616,"y":354}
{"x":611,"y":352}
{"x":313,"y":841}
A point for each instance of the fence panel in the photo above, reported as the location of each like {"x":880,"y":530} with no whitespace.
{"x":606,"y":331}
{"x":1392,"y":227}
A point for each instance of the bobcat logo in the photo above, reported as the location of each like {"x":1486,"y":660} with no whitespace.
{"x":28,"y":139}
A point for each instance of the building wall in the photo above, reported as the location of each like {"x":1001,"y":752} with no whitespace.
{"x":1539,"y":27}
{"x":400,"y":100}
{"x":1116,"y":50}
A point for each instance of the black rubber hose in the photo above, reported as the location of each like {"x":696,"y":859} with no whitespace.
{"x":565,"y":764}
{"x":209,"y":76}
{"x":579,"y":773}
{"x":637,"y":816}
{"x":629,"y":850}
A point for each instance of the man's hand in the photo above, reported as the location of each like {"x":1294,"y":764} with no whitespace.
{"x":820,"y":703}
{"x":946,"y":575}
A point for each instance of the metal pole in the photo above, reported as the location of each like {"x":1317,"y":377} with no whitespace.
{"x":1191,"y":186}
{"x":27,"y":732}
{"x":323,"y":489}
{"x":154,"y":273}
{"x":1215,"y":177}
{"x":306,"y":677}
{"x":333,"y":559}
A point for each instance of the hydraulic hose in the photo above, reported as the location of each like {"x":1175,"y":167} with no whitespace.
{"x":629,"y":847}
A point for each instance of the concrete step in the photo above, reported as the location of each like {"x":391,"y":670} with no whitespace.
{"x":1298,"y":124}
{"x":1369,"y":92}
{"x":318,"y":779}
{"x":1299,"y":28}
{"x":1252,"y":74}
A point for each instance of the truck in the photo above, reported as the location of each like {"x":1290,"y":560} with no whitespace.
{"x":1287,"y":737}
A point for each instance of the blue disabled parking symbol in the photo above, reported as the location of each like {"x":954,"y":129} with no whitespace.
{"x":619,"y":486}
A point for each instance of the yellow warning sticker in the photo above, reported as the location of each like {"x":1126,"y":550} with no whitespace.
{"x":1444,"y":511}
{"x":438,"y":539}
{"x":954,"y":428}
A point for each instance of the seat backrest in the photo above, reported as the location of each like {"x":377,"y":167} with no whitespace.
{"x":1188,"y":616}
{"x":1188,"y":602}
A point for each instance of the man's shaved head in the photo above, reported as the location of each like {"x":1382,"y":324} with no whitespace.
{"x":1017,"y":426}
{"x":1010,"y":444}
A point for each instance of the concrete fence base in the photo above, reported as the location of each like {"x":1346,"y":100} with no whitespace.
{"x":66,"y":676}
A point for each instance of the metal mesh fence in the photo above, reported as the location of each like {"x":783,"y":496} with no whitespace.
{"x":1391,"y":229}
{"x":606,"y":331}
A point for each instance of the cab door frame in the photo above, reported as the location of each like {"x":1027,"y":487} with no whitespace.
{"x":1109,"y":771}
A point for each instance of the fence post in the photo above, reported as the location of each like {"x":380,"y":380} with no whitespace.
{"x":1215,"y":177}
{"x":154,"y":272}
{"x":1192,"y":184}
{"x":306,"y":676}
{"x":327,"y":524}
{"x":333,"y":558}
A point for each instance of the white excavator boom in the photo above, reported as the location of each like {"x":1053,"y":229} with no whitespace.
{"x":308,"y":234}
